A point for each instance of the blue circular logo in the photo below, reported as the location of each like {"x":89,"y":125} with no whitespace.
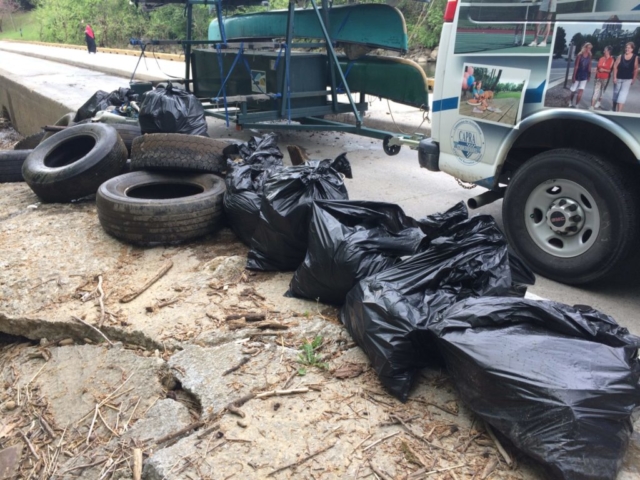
{"x":467,"y":142}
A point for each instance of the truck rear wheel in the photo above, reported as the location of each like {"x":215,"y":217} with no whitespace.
{"x":570,"y":215}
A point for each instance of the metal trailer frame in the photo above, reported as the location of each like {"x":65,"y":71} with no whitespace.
{"x":309,"y":118}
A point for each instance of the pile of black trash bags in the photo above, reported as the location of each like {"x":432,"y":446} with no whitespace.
{"x":560,"y":382}
{"x":165,"y":109}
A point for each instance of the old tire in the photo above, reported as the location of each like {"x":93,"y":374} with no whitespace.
{"x":11,"y":165}
{"x":65,"y":121}
{"x":149,"y":208}
{"x":128,"y":133}
{"x":178,"y":152}
{"x":73,"y":163}
{"x":571,"y":216}
{"x":30,"y":142}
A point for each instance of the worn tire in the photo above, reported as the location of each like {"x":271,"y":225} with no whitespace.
{"x":598,"y":192}
{"x":128,"y":133}
{"x":179,"y":152}
{"x":149,"y":208}
{"x":30,"y":142}
{"x":11,"y":165}
{"x":65,"y":121}
{"x":75,"y":162}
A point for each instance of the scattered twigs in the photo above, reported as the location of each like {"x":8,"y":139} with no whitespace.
{"x":101,"y":300}
{"x":137,"y":464}
{"x":234,"y":407}
{"x":162,"y":304}
{"x":244,"y":361}
{"x":30,"y":445}
{"x":302,"y":460}
{"x":179,"y":433}
{"x":47,"y":428}
{"x":445,"y":469}
{"x":248,"y":317}
{"x":380,"y":440}
{"x":378,"y":472}
{"x":165,"y":268}
{"x":82,"y":467}
{"x":95,"y":415}
{"x":466,"y":445}
{"x":93,"y":328}
{"x":107,"y":425}
{"x":262,"y":325}
{"x":489,"y":468}
{"x":499,"y":446}
{"x":273,"y":393}
{"x":418,"y":437}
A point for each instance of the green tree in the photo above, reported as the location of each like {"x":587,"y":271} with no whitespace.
{"x":560,"y":42}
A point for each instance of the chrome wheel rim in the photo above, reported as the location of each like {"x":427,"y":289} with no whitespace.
{"x":562,"y":218}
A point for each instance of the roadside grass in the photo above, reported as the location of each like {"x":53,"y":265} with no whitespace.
{"x":26,"y":21}
{"x":508,"y":94}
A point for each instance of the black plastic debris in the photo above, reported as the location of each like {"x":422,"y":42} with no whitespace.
{"x":261,"y":150}
{"x":351,"y":240}
{"x":387,"y":314}
{"x":437,"y":224}
{"x":102,"y":100}
{"x":243,"y":196}
{"x":172,"y":110}
{"x":280,"y":238}
{"x":560,"y":382}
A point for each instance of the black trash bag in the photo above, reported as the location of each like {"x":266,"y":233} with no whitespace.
{"x":438,"y":224}
{"x":280,"y":239}
{"x":102,"y":100}
{"x":560,"y":382}
{"x":340,"y":164}
{"x":243,"y":196}
{"x":387,"y":314}
{"x":351,"y":240}
{"x":262,"y":150}
{"x":172,"y":110}
{"x":521,"y":274}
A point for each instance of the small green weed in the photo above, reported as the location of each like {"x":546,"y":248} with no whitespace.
{"x":309,"y":357}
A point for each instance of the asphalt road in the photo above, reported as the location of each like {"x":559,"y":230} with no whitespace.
{"x":397,"y":179}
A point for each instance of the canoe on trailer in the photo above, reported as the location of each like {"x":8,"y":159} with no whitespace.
{"x":397,"y":79}
{"x":373,"y":25}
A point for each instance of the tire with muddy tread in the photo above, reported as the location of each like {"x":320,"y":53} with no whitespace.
{"x":571,"y":216}
{"x":65,"y":121}
{"x":179,"y":152}
{"x":11,"y":165}
{"x":30,"y":142}
{"x":153,"y":208}
{"x":128,"y":133}
{"x":75,"y":162}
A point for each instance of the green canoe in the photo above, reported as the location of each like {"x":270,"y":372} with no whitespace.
{"x":397,"y":79}
{"x":373,"y":25}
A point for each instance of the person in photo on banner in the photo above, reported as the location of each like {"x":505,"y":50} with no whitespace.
{"x":603,"y":73}
{"x":581,"y":74}
{"x":547,"y":12}
{"x":625,"y":71}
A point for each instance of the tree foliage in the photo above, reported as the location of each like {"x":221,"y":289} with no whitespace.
{"x":116,"y":21}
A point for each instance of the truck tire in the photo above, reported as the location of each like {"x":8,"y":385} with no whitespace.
{"x":128,"y":133}
{"x":571,"y":216}
{"x":73,"y":163}
{"x":65,"y":121}
{"x":152,"y":208}
{"x":30,"y":142}
{"x":178,"y":152}
{"x":11,"y":165}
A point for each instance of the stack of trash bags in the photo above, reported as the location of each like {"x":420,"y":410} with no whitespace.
{"x":559,"y":382}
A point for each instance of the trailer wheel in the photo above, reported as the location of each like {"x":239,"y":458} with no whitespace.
{"x":74,"y":162}
{"x":179,"y":152}
{"x":11,"y":165}
{"x":147,"y":208}
{"x":571,"y":216}
{"x":390,"y":149}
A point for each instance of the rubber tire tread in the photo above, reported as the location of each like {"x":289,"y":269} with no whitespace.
{"x":144,"y":221}
{"x":30,"y":142}
{"x":11,"y":162}
{"x":179,"y":152}
{"x":128,"y":133}
{"x":612,"y":188}
{"x":82,"y":177}
{"x":65,"y":121}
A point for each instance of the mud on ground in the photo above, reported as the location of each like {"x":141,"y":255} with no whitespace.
{"x":200,"y":375}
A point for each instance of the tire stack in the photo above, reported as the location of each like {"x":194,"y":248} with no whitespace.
{"x":172,"y":194}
